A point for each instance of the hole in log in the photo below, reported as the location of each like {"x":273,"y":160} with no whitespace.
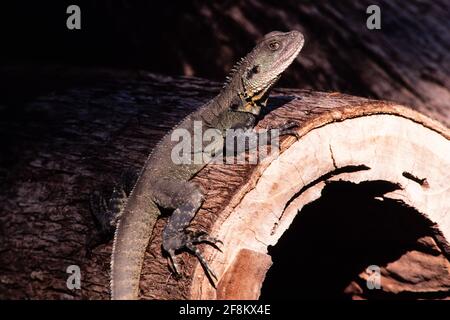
{"x":423,"y":182}
{"x":335,"y":238}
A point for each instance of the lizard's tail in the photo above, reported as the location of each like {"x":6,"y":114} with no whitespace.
{"x":130,"y":243}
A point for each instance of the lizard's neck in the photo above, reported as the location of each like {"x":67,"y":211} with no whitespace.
{"x":228,"y":99}
{"x":236,"y":97}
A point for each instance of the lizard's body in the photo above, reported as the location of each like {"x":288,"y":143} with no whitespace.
{"x":163,"y":183}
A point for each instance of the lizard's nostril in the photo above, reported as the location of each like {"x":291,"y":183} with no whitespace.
{"x":296,"y":34}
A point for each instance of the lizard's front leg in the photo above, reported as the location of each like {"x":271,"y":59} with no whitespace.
{"x":186,"y":198}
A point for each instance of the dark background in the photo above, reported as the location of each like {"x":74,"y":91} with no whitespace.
{"x":205,"y":38}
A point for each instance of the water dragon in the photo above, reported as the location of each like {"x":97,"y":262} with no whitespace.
{"x":165,"y":184}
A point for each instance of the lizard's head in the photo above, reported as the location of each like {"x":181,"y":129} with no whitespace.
{"x":271,"y":56}
{"x":262,"y":67}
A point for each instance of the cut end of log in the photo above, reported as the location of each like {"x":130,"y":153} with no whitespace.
{"x":343,"y":140}
{"x":243,"y":280}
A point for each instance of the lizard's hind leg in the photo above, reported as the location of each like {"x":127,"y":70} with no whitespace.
{"x":106,"y":207}
{"x":186,"y":198}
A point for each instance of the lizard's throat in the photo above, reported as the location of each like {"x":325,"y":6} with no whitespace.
{"x":252,"y":101}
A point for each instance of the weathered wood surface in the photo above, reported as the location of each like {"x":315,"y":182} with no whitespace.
{"x":77,"y":140}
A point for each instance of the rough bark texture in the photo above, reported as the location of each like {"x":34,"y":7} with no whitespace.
{"x":81,"y":139}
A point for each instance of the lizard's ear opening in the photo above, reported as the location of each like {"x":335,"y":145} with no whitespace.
{"x":252,"y":72}
{"x":234,"y":106}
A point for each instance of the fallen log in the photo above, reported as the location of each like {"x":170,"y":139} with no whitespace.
{"x":77,"y":139}
{"x":343,"y":138}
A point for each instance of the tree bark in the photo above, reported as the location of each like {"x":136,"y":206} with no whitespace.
{"x":69,"y":143}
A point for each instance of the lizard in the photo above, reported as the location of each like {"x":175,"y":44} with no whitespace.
{"x":165,"y":184}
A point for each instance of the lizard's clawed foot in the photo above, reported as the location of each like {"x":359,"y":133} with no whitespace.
{"x":104,"y":220}
{"x":172,"y":262}
{"x":203,"y":237}
{"x":188,"y":240}
{"x":106,"y":206}
{"x":192,"y":248}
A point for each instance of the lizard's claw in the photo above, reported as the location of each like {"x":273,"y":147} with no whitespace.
{"x":188,"y":240}
{"x":202,"y":260}
{"x":171,"y":261}
{"x":203,"y":237}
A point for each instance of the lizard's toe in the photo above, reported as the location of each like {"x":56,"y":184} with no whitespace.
{"x":187,"y":240}
{"x":203,"y":237}
{"x":172,"y":262}
{"x":209,"y":272}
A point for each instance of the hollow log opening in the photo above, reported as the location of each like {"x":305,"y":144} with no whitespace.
{"x":325,"y":252}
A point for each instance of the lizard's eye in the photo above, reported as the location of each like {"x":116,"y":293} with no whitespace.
{"x":274,"y":45}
